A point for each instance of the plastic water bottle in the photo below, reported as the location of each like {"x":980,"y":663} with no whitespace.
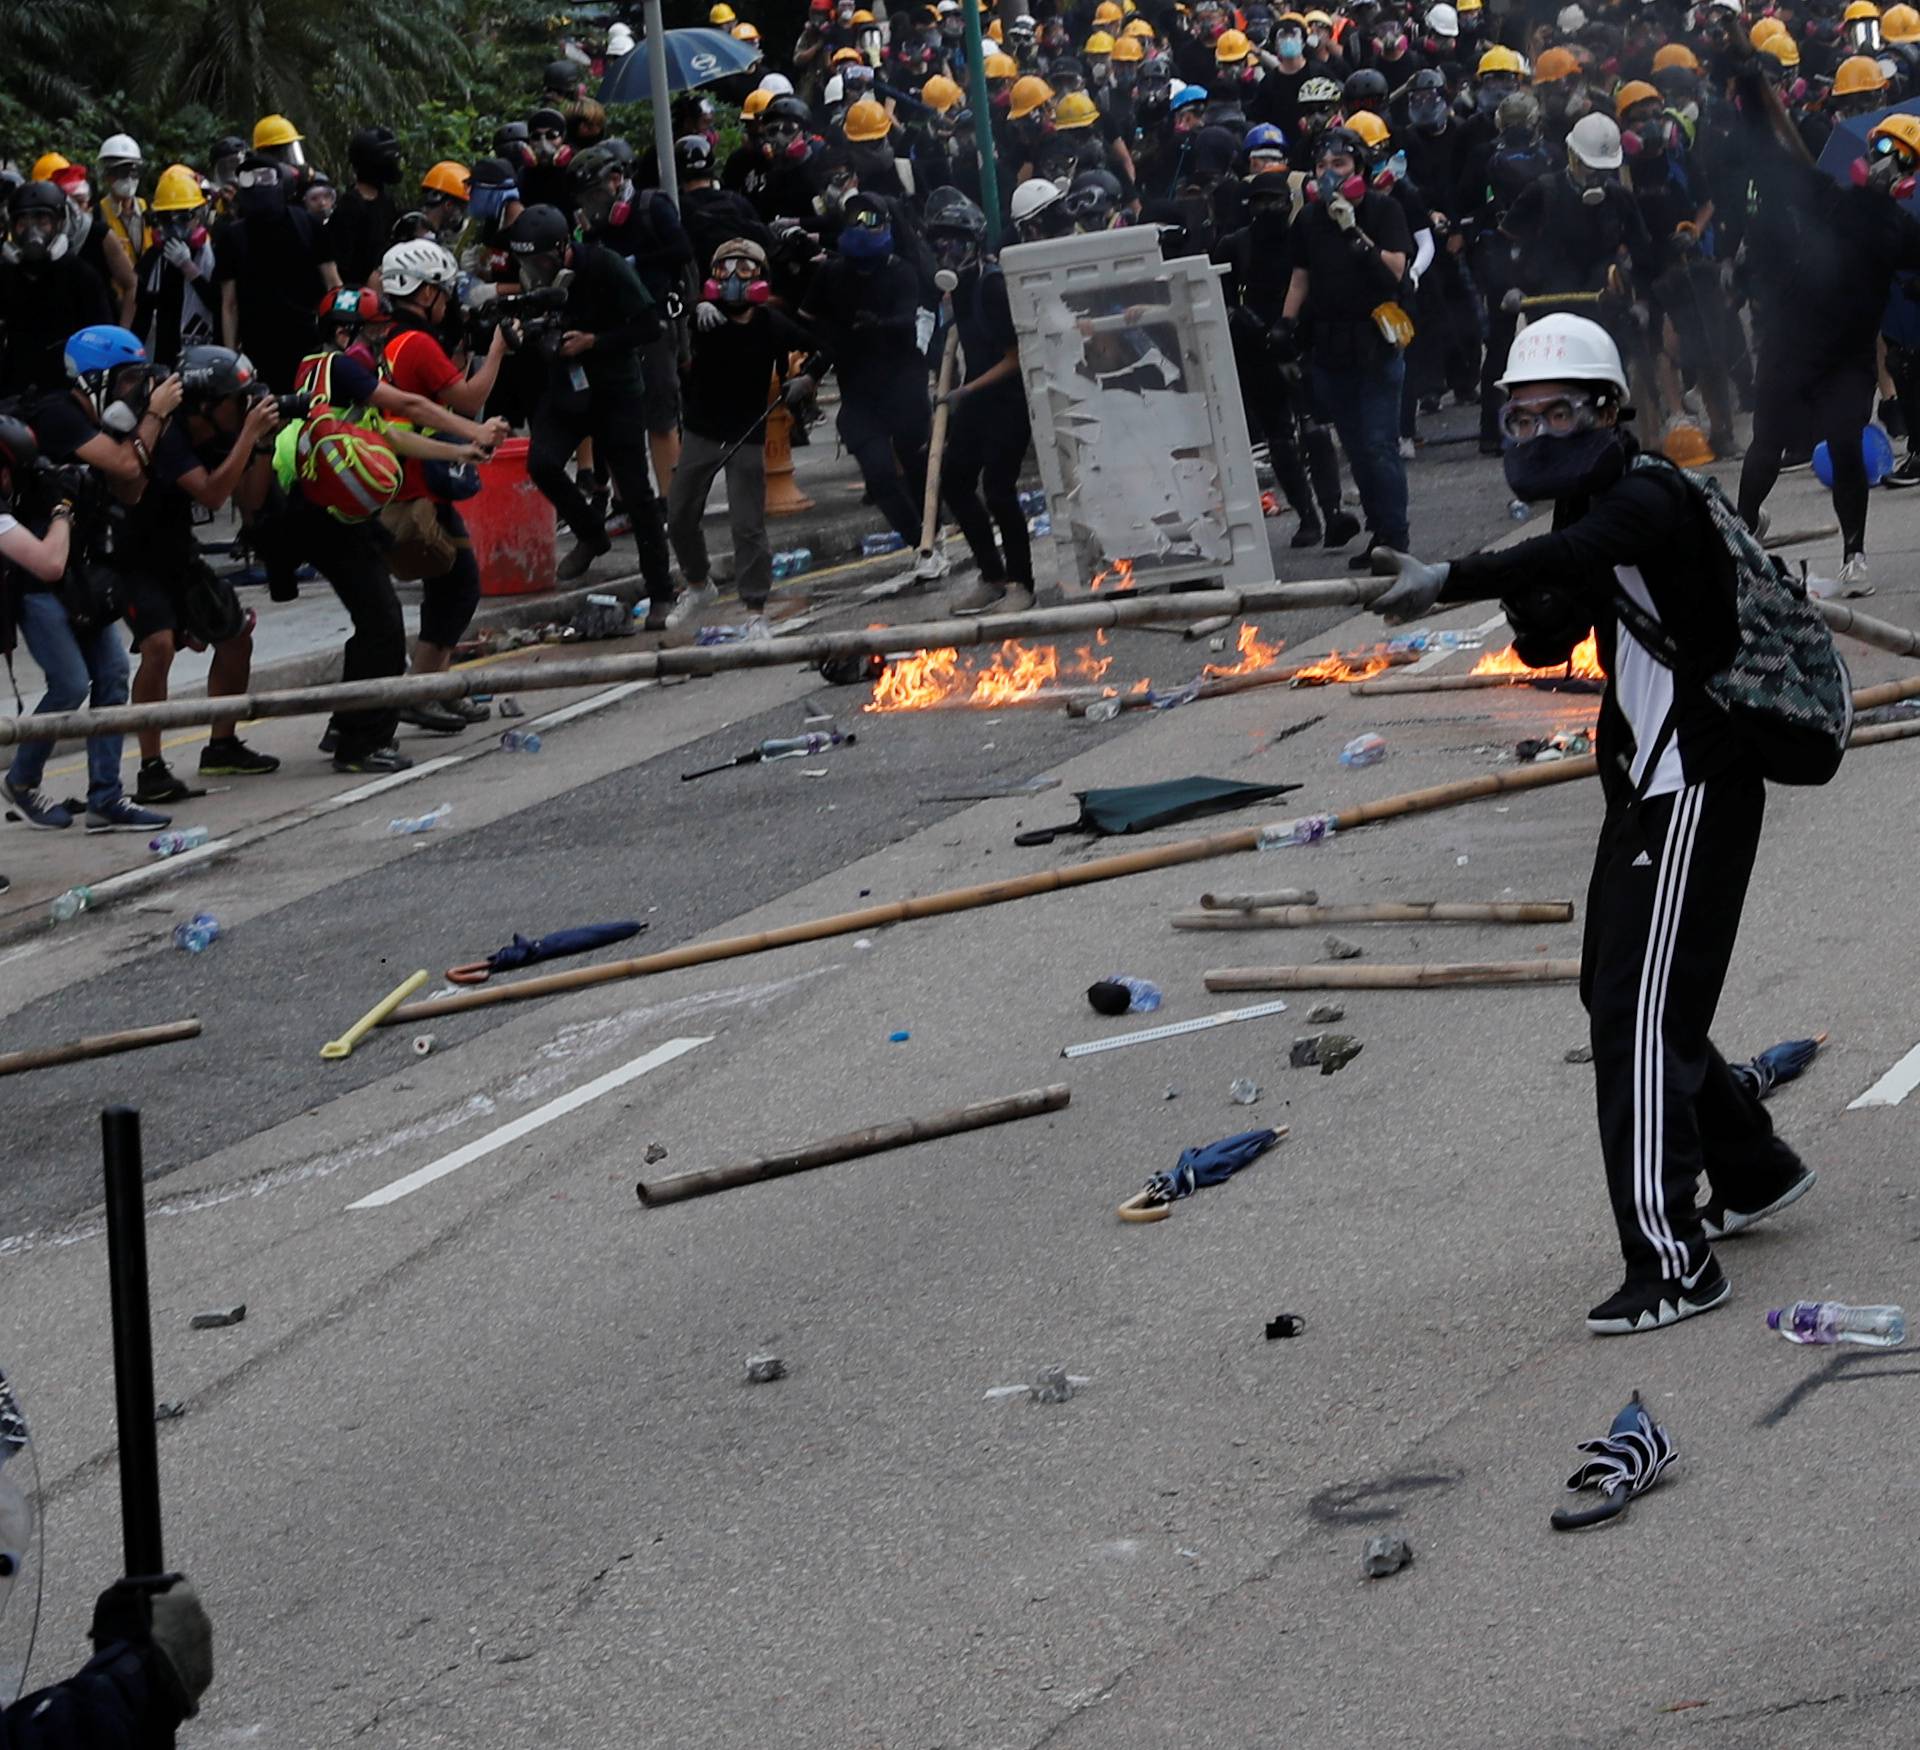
{"x":422,"y":822}
{"x":1041,"y":525}
{"x":1519,"y":509}
{"x":1104,"y":710}
{"x":71,"y":904}
{"x":171,"y":844}
{"x":887,"y":541}
{"x":198,"y":934}
{"x":791,"y":747}
{"x":1144,"y":995}
{"x":1309,"y":829}
{"x":521,"y":741}
{"x":1833,"y":1321}
{"x":1364,"y":750}
{"x":802,"y":561}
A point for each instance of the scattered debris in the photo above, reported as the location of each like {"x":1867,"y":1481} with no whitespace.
{"x":1285,"y":1325}
{"x":508,"y":706}
{"x":1119,"y":994}
{"x":1131,"y":808}
{"x":1579,"y":1054}
{"x":763,"y":1369}
{"x":1331,"y":1051}
{"x":423,"y":1044}
{"x":1339,"y":948}
{"x":168,"y":1412}
{"x":899,"y":1038}
{"x":1627,"y":1461}
{"x":1196,"y":1169}
{"x":1172,"y":1092}
{"x":1385,"y":1554}
{"x":554,"y":945}
{"x":863,"y":944}
{"x":220,"y":1317}
{"x":1244,"y":1092}
{"x":1325,"y":1014}
{"x":1174,"y":1029}
{"x":656,"y":1152}
{"x":1051,"y":1385}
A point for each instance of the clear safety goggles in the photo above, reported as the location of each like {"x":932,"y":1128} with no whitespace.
{"x":265,"y":176}
{"x":1553,"y":416}
{"x":738,"y":267}
{"x":1886,"y":147}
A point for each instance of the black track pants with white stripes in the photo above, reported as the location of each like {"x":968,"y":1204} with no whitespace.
{"x":1663,"y":911}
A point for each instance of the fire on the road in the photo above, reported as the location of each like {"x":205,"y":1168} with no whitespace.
{"x":1255,"y":654}
{"x":1584,"y":666}
{"x":1357,"y":666}
{"x":929,"y":679}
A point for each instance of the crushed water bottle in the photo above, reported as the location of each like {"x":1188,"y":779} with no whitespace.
{"x":1833,"y":1321}
{"x":1104,"y":710}
{"x":521,"y":741}
{"x":886,"y":541}
{"x":757,"y":627}
{"x":71,"y":904}
{"x":1309,"y":829}
{"x":198,"y":934}
{"x":1033,"y":503}
{"x":1143,"y":996}
{"x":422,"y":822}
{"x":792,"y":562}
{"x":1041,"y":525}
{"x":1364,"y":750}
{"x":1519,"y":509}
{"x":171,"y":844}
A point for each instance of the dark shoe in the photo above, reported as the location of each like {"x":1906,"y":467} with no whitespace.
{"x":5,"y":884}
{"x":1721,"y":1219}
{"x":123,"y":814}
{"x":1363,"y":560}
{"x":1907,"y":474}
{"x":1492,"y":447}
{"x":375,"y":760}
{"x":473,"y":710}
{"x":1650,"y":1305}
{"x":1307,"y":535}
{"x":330,"y":740}
{"x":230,"y":757}
{"x":579,"y":561}
{"x":435,"y":718}
{"x":36,"y":807}
{"x":1342,"y":526}
{"x":157,"y":783}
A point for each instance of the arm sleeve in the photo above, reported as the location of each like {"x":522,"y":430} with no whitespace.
{"x":1422,"y":251}
{"x":623,"y":298}
{"x":116,"y":1701}
{"x":670,"y":246}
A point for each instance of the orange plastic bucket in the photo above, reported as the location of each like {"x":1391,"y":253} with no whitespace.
{"x":511,"y":525}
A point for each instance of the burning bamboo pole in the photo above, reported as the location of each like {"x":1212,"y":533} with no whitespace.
{"x":1125,"y":608}
{"x":13,"y":1063}
{"x":1255,"y":901}
{"x":1431,"y":911}
{"x":900,"y":1133}
{"x":1446,"y":683}
{"x":954,"y":899}
{"x":1432,"y":977}
{"x":1222,"y":686}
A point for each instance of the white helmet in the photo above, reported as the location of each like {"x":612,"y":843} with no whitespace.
{"x":834,"y":89}
{"x":778,"y":83}
{"x":406,"y":267}
{"x":1443,"y":21}
{"x":620,"y":40}
{"x":1033,"y":196}
{"x":1571,"y":21}
{"x":1564,"y":349}
{"x":119,"y":148}
{"x":1595,"y":141}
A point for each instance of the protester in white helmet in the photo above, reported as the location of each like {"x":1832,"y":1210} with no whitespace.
{"x":1635,"y":558}
{"x":119,"y":192}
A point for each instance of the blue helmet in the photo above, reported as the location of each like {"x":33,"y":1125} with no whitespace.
{"x":1263,"y":137}
{"x":99,"y":351}
{"x":1190,"y":96}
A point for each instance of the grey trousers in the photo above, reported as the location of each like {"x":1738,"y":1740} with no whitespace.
{"x":693,"y":479}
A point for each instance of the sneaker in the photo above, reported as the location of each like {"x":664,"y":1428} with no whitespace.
{"x":230,"y":757}
{"x":695,"y":599}
{"x":330,"y":739}
{"x":579,"y":561}
{"x":1853,"y":578}
{"x":1342,"y":526}
{"x":1307,"y":535}
{"x":1018,"y":599}
{"x":473,"y":710}
{"x":1650,"y":1304}
{"x":983,"y":598}
{"x":620,"y":523}
{"x":374,"y":760}
{"x":1721,"y":1219}
{"x":36,"y":807}
{"x":1363,"y":560}
{"x":1430,"y":404}
{"x":5,"y":884}
{"x":1407,"y":451}
{"x":157,"y":783}
{"x":436,"y":719}
{"x":123,"y":814}
{"x":1907,"y":474}
{"x":929,"y":566}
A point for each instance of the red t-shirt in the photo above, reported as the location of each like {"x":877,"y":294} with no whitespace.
{"x":417,"y":364}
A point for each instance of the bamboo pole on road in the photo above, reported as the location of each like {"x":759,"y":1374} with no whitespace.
{"x":1434,"y":977}
{"x":1313,"y":917}
{"x":13,"y":1063}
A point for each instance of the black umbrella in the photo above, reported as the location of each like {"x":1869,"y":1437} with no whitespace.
{"x":1142,"y":807}
{"x":1627,"y":1461}
{"x":525,"y":951}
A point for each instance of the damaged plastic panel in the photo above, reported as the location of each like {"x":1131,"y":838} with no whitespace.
{"x":1136,"y":413}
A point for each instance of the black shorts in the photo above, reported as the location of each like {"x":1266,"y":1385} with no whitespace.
{"x":151,"y":604}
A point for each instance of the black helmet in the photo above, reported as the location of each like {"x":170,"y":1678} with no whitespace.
{"x":491,"y":173}
{"x":508,"y":136}
{"x":1342,"y":140}
{"x":227,"y":146}
{"x":39,"y":197}
{"x":1429,"y":79}
{"x":374,"y":154}
{"x":948,"y":209}
{"x":600,"y":161}
{"x":211,"y":373}
{"x":411,"y":227}
{"x":1093,"y":198}
{"x":19,"y":448}
{"x":539,"y":231}
{"x":1369,"y":85}
{"x":693,"y":155}
{"x":562,"y":76}
{"x":550,"y":121}
{"x":787,"y":109}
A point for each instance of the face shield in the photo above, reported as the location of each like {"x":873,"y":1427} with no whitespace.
{"x":319,"y":201}
{"x":536,"y":272}
{"x":20,"y":1556}
{"x":38,"y":237}
{"x":292,"y":155}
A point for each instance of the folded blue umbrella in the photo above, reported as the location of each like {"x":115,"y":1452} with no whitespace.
{"x":525,"y":951}
{"x":1626,"y":1461}
{"x":1218,"y":1161}
{"x":1778,"y":1063}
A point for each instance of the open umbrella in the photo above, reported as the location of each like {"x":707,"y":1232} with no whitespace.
{"x":522,"y":951}
{"x":1627,"y":1461}
{"x":1141,"y":807}
{"x":1197,"y":1168}
{"x":694,"y":58}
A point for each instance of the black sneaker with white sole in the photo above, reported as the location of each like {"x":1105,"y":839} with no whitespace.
{"x":123,"y":814}
{"x":1651,"y":1304}
{"x":1720,"y":1218}
{"x":158,"y":783}
{"x":375,"y":762}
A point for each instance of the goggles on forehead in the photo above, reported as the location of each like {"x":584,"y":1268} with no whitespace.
{"x":869,"y":219}
{"x":1558,"y":416}
{"x":737,"y":267}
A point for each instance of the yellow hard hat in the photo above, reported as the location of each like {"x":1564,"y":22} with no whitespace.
{"x":1686,"y":446}
{"x":177,"y":191}
{"x":1554,"y":64}
{"x":1900,"y":24}
{"x":845,"y":58}
{"x":1501,"y":59}
{"x":863,"y":16}
{"x":1002,"y":67}
{"x":995,"y":33}
{"x":1858,"y":73}
{"x":1107,"y":12}
{"x":743,"y":32}
{"x":1097,"y":44}
{"x":1232,"y":45}
{"x":1670,"y":55}
{"x":1029,"y":94}
{"x":275,"y":130}
{"x":46,"y":164}
{"x":940,"y":93}
{"x":1763,"y":30}
{"x":721,"y":14}
{"x":1075,"y":110}
{"x":1323,"y":19}
{"x":754,"y":103}
{"x":1128,"y":49}
{"x":1634,"y":91}
{"x":1469,"y":5}
{"x":1368,"y":126}
{"x":1860,"y":11}
{"x":448,"y":178}
{"x":1138,"y":28}
{"x":867,"y":121}
{"x":1783,"y":49}
{"x":1904,"y":128}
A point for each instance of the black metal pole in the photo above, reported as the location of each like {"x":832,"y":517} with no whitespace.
{"x":132,"y":1341}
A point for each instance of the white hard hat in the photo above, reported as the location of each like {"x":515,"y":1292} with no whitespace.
{"x":117,"y":147}
{"x":1564,"y":349}
{"x":406,"y":267}
{"x":1034,"y":195}
{"x":620,"y":40}
{"x":778,"y":83}
{"x":1443,"y":21}
{"x":1595,"y":141}
{"x":1571,"y":20}
{"x":834,"y":89}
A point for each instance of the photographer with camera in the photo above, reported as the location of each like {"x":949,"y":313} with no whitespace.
{"x":591,"y":388}
{"x":216,"y":450}
{"x":109,"y":422}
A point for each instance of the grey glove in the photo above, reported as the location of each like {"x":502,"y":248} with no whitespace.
{"x":707,"y":315}
{"x":1340,"y":211}
{"x":1416,"y":586}
{"x":1511,"y":300}
{"x":183,"y":1631}
{"x":177,"y":254}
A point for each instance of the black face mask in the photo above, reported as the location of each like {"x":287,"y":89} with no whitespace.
{"x":1564,"y":467}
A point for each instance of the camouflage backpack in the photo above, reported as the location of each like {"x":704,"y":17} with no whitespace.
{"x":1787,"y":689}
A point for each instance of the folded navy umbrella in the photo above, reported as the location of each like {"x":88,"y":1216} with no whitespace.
{"x":1196,"y":1169}
{"x":525,"y":951}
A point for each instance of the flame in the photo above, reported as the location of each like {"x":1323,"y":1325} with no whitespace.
{"x":931,"y":678}
{"x":1121,"y":571}
{"x":1360,"y":665}
{"x":1584,"y":666}
{"x":1255,"y":654}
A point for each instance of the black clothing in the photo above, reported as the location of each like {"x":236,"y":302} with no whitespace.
{"x":867,"y":322}
{"x":1567,"y":246}
{"x":1344,"y":284}
{"x":360,"y":232}
{"x":39,"y":309}
{"x":1276,"y":99}
{"x":713,"y":216}
{"x":607,"y":300}
{"x":652,"y":242}
{"x":546,"y":185}
{"x":273,"y":260}
{"x":124,"y":1698}
{"x":732,"y":369}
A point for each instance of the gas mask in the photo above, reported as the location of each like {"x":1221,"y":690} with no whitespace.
{"x":1591,"y":183}
{"x":546,"y":145}
{"x":1652,"y":137}
{"x":1334,"y":185}
{"x":131,"y":390}
{"x":1428,"y":112}
{"x":831,"y":201}
{"x":536,"y":271}
{"x":738,"y":282}
{"x":953,"y":250}
{"x":189,"y":228}
{"x":38,"y":238}
{"x":1888,"y":169}
{"x":607,"y":205}
{"x":1491,"y":94}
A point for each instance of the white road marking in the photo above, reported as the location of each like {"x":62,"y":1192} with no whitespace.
{"x":541,"y":1116}
{"x":392,"y":781}
{"x":1440,"y":652}
{"x":1894,"y":1086}
{"x":583,"y":707}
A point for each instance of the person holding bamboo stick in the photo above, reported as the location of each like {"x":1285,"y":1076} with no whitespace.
{"x":1635,"y":557}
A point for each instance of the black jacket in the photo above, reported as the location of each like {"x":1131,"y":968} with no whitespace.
{"x":119,"y":1700}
